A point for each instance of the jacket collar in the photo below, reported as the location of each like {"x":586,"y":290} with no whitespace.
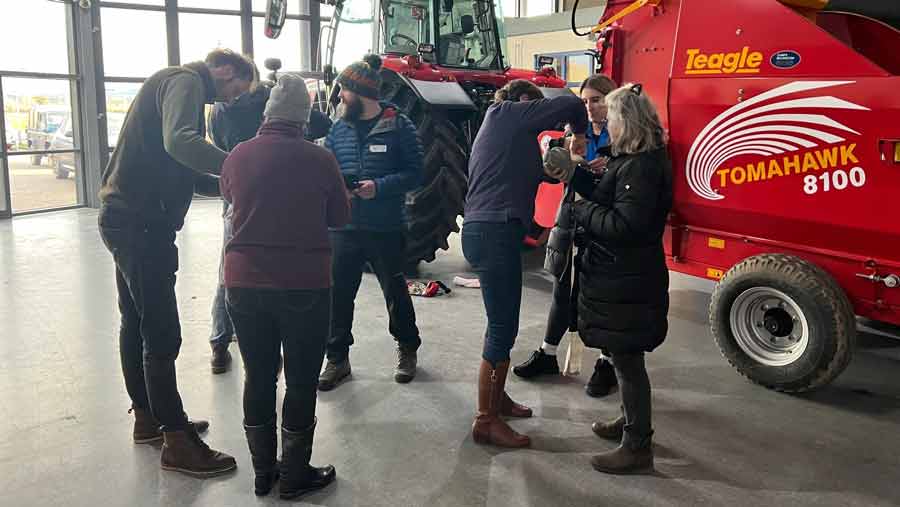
{"x":387,"y":122}
{"x":201,"y":69}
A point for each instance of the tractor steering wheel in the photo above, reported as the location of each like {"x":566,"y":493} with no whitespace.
{"x":409,"y":40}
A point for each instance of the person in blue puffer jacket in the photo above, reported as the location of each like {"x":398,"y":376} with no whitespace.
{"x":380,"y":155}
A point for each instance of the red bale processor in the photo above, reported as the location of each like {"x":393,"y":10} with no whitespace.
{"x":785,"y":142}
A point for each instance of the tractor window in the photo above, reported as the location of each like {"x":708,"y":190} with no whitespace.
{"x":468,"y":34}
{"x":406,"y":24}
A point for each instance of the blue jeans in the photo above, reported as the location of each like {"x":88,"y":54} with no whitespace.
{"x":222,"y":328}
{"x":494,"y":251}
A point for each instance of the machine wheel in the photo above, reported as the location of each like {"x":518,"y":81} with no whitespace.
{"x":783,"y":323}
{"x":431,"y":210}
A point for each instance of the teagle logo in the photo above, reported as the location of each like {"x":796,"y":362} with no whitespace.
{"x":740,"y":62}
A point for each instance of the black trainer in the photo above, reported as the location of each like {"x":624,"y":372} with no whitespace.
{"x":538,"y":364}
{"x":603,"y":382}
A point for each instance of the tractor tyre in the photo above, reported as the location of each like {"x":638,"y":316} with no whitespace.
{"x":783,"y":323}
{"x":433,"y":208}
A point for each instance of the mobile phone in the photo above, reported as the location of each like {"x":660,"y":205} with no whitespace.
{"x":351,"y":181}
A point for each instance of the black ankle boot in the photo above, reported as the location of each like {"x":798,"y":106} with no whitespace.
{"x":538,"y":364}
{"x":263,"y":442}
{"x":603,"y":382}
{"x":297,"y":475}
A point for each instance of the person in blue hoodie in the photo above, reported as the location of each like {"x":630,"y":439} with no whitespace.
{"x":230,"y":125}
{"x":380,"y":155}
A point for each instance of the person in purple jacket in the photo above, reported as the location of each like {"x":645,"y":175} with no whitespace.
{"x":284,"y":194}
{"x":505,"y":170}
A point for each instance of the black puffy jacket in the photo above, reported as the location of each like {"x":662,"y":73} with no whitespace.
{"x":624,"y":283}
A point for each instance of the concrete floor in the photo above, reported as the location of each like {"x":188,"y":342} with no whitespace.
{"x":65,"y":430}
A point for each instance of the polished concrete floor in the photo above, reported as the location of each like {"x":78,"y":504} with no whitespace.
{"x":65,"y":430}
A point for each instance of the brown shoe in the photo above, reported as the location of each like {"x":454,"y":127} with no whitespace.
{"x":509,"y":408}
{"x":610,"y":430}
{"x":488,"y":427}
{"x":146,"y":427}
{"x":184,"y":451}
{"x":631,"y":457}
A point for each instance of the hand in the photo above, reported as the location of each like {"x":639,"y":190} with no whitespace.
{"x":365,"y":190}
{"x":598,"y":164}
{"x":578,"y":145}
{"x":558,"y":164}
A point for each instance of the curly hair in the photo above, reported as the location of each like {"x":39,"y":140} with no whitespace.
{"x":515,"y":89}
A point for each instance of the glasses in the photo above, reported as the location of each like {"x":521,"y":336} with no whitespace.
{"x":637,"y":88}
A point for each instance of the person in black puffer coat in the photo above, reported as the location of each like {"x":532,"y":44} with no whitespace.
{"x":624,"y":299}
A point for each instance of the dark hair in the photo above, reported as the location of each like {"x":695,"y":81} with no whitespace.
{"x":599,"y":83}
{"x":243,"y":66}
{"x":515,"y":89}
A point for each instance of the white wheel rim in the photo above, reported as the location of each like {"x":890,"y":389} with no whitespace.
{"x":769,"y":326}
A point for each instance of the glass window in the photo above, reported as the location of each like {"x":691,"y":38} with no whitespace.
{"x":354,"y":38}
{"x":38,"y":116}
{"x":142,"y":2}
{"x":578,"y":68}
{"x":508,"y":8}
{"x":227,"y":5}
{"x":286,"y":46}
{"x":33,"y":37}
{"x":293,"y":6}
{"x":134,"y":42}
{"x":119,"y":97}
{"x":538,"y":7}
{"x":40,"y":186}
{"x":35,"y":112}
{"x":467,"y":35}
{"x":201,"y":33}
{"x":407,"y":23}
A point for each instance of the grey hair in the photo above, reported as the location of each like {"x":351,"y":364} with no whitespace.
{"x":636,"y":115}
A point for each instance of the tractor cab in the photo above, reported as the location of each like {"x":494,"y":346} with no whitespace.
{"x":461,"y":33}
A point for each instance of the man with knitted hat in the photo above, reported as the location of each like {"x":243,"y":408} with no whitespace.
{"x":377,"y":147}
{"x":284,"y":193}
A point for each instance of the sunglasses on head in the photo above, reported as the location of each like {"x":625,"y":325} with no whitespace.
{"x":637,"y":88}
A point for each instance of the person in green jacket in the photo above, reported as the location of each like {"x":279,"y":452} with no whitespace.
{"x":161,"y":159}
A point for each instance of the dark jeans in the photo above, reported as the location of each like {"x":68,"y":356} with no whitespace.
{"x":563,"y":308}
{"x":385,"y":252}
{"x":269,"y":321}
{"x":494,"y":251}
{"x":222,"y":328}
{"x":634,"y":385}
{"x":146,"y":260}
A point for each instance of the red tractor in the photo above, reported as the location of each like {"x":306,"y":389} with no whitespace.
{"x":442,"y":62}
{"x":785,"y":142}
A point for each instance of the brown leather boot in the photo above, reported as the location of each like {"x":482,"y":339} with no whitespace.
{"x":633,"y":456}
{"x":488,"y":427}
{"x":610,"y":430}
{"x":509,"y":408}
{"x":184,"y":451}
{"x":146,"y":427}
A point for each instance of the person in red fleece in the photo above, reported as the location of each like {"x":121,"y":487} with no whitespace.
{"x":285,"y":193}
